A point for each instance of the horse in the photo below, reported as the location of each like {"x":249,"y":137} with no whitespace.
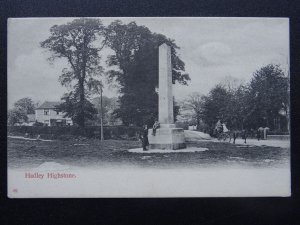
{"x":222,"y":133}
{"x":237,"y":133}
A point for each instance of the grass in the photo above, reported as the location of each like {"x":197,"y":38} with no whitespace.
{"x":24,"y":153}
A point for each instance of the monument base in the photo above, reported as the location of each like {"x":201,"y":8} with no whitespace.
{"x":167,"y":137}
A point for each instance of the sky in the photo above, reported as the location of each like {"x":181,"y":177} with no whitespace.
{"x":212,"y":49}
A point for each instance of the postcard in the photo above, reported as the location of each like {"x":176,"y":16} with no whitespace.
{"x":148,"y":107}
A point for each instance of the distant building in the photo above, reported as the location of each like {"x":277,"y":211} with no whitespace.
{"x":48,"y":114}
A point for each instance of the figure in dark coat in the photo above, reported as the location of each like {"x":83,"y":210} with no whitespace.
{"x":259,"y":133}
{"x":244,"y":135}
{"x":144,"y":137}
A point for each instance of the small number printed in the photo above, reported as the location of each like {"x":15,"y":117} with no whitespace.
{"x":15,"y":190}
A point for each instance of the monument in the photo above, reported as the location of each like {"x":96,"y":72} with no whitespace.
{"x":167,"y":136}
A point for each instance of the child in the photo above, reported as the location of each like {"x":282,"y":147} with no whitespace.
{"x":155,"y":127}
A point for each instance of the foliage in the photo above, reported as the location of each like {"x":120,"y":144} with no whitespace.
{"x":25,"y":104}
{"x":136,"y":59}
{"x":15,"y":116}
{"x":38,"y":124}
{"x":215,"y":105}
{"x":78,"y":42}
{"x":73,"y":107}
{"x":267,"y":96}
{"x":21,"y":108}
{"x":248,"y":106}
{"x":109,"y":106}
{"x":183,"y":125}
{"x":194,"y":104}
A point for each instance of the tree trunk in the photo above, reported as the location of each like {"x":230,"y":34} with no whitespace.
{"x":81,"y":85}
{"x":81,"y":102}
{"x":288,"y":121}
{"x":101,"y":107}
{"x":198,"y":123}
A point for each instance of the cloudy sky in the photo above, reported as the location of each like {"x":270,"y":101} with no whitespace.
{"x":212,"y":49}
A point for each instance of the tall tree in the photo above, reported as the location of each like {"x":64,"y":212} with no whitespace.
{"x":227,"y":103}
{"x":79,"y":42}
{"x":136,"y":57}
{"x":268,"y":95}
{"x":109,"y":106}
{"x":215,"y":105}
{"x":256,"y":104}
{"x":72,"y":108}
{"x":194,"y":103}
{"x":26,"y":105}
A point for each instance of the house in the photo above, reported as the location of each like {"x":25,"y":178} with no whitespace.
{"x":48,"y":114}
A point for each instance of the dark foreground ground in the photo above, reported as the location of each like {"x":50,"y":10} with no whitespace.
{"x":27,"y":153}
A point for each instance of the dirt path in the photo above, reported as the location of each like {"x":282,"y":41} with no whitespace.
{"x":200,"y":136}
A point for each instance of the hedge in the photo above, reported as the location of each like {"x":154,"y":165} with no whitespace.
{"x":110,"y":132}
{"x":278,"y":133}
{"x":183,"y":125}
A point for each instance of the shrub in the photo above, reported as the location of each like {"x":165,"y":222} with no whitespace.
{"x":38,"y":124}
{"x":183,"y":125}
{"x":278,"y":133}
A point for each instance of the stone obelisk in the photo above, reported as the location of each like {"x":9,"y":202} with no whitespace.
{"x":167,"y":136}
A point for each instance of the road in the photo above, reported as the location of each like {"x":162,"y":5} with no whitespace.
{"x":200,"y":136}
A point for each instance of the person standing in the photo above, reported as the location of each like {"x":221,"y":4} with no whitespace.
{"x":258,"y":133}
{"x":144,"y":137}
